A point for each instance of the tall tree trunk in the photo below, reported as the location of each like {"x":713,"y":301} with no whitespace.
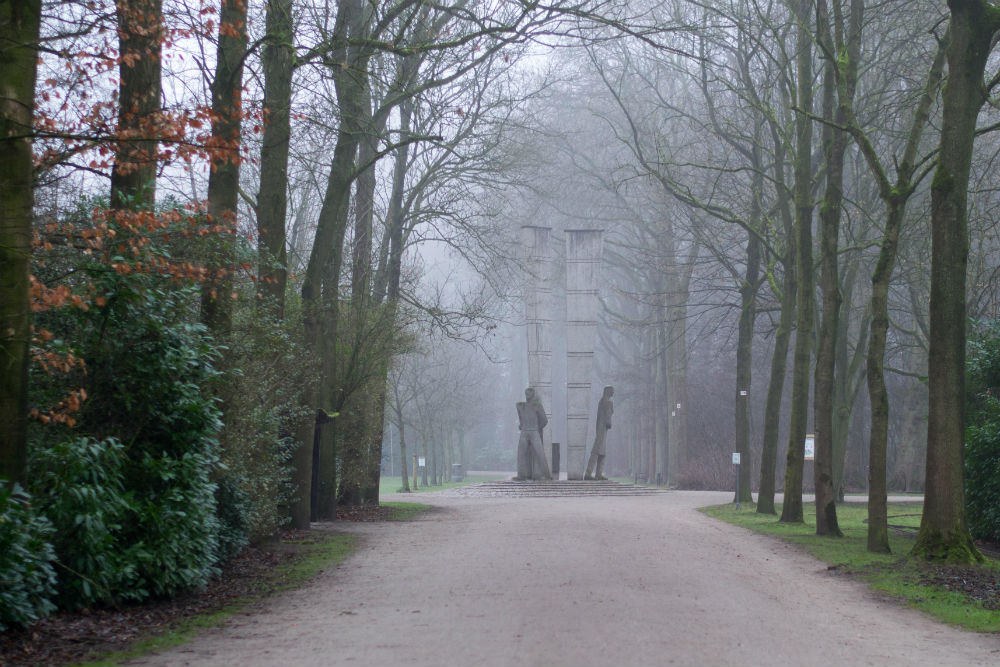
{"x":325,"y":460}
{"x":433,"y":462}
{"x":224,"y":177}
{"x":140,"y":46}
{"x":782,"y":338}
{"x":223,"y":197}
{"x":834,"y":148}
{"x":850,"y":378}
{"x":878,"y":395}
{"x":943,"y":531}
{"x":272,"y":197}
{"x":403,"y":463}
{"x":364,"y":213}
{"x":350,"y":66}
{"x":19,"y":30}
{"x":358,"y":479}
{"x":661,"y":410}
{"x":376,"y":433}
{"x":650,"y":382}
{"x":744,"y":344}
{"x":353,"y":449}
{"x":895,"y":198}
{"x":678,"y":291}
{"x":775,"y":391}
{"x":791,"y":510}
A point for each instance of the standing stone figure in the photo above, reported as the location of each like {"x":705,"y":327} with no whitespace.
{"x":605,"y":408}
{"x":531,"y":419}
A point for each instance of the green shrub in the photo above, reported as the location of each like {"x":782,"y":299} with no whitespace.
{"x":172,"y":537}
{"x":982,"y":435}
{"x":78,"y":486}
{"x":233,"y":509}
{"x":27,"y":580}
{"x":148,"y":368}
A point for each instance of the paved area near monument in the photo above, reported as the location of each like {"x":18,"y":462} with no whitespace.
{"x":578,"y":580}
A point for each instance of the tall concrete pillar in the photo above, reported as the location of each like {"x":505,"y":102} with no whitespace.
{"x":583,"y":273}
{"x":538,"y":308}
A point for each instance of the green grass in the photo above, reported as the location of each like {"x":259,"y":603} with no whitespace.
{"x":406,"y":511}
{"x":389,"y":485}
{"x":316,"y":553}
{"x":893,"y":574}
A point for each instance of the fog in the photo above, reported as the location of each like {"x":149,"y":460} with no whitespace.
{"x":668,"y":125}
{"x":658,"y":145}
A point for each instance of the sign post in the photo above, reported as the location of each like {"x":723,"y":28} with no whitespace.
{"x":736,"y":462}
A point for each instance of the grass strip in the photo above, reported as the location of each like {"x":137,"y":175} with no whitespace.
{"x":405,"y":511}
{"x":964,"y":596}
{"x":392,"y":485}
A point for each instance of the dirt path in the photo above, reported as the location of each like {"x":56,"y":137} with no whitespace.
{"x":579,"y":581}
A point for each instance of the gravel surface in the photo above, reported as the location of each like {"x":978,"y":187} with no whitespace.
{"x":633,"y":580}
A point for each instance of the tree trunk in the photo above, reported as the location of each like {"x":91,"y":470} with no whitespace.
{"x":850,"y":378}
{"x":140,"y":45}
{"x":364,"y":212}
{"x":373,"y":466}
{"x":357,"y":448}
{"x":325,"y":459}
{"x":224,"y":177}
{"x":782,"y":338}
{"x":272,"y":197}
{"x":744,"y":346}
{"x":678,"y":290}
{"x":775,"y":391}
{"x":402,"y":452}
{"x":18,"y":64}
{"x":791,"y":510}
{"x":353,"y":426}
{"x":878,"y":395}
{"x":661,"y":413}
{"x":943,"y":531}
{"x":323,"y":269}
{"x":895,"y":198}
{"x":302,"y":463}
{"x":834,"y":148}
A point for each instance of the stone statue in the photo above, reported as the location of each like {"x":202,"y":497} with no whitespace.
{"x":605,"y":408}
{"x":531,"y":419}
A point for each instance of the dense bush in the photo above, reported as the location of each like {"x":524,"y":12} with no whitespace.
{"x":27,"y":580}
{"x":78,"y":486}
{"x":147,"y":492}
{"x":982,"y":437}
{"x":148,"y":368}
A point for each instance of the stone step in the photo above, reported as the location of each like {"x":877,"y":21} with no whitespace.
{"x":554,"y":489}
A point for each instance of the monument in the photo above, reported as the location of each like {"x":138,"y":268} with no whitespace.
{"x":605,"y":408}
{"x":531,"y":420}
{"x":538,"y":307}
{"x":583,"y":270}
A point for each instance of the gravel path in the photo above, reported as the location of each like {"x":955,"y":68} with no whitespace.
{"x":602,"y":581}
